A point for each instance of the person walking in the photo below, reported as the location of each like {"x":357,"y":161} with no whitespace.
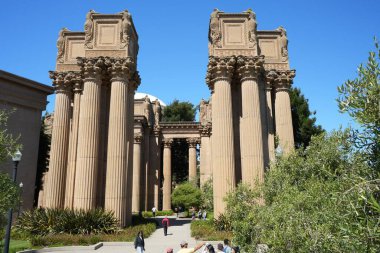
{"x":154,"y":210}
{"x":219,"y":248}
{"x":165,"y":224}
{"x":139,"y":242}
{"x":227,"y":248}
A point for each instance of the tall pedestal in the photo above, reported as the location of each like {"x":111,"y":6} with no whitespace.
{"x":167,"y":184}
{"x":55,"y":186}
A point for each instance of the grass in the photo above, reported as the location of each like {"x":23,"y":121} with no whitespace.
{"x":16,"y":245}
{"x":205,"y":230}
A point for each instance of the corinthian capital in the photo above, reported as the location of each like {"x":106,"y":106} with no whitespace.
{"x":220,"y":68}
{"x":249,"y":67}
{"x":61,"y":81}
{"x":192,"y":142}
{"x":167,"y":142}
{"x":138,"y":138}
{"x":284,"y":79}
{"x":91,"y":67}
{"x":121,"y":68}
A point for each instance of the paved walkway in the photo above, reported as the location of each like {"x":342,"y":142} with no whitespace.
{"x":157,"y":243}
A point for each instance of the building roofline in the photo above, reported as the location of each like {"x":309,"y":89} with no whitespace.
{"x":26,"y":82}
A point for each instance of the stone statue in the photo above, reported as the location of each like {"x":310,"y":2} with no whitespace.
{"x":88,"y":30}
{"x":157,"y":112}
{"x":283,"y":43}
{"x":146,"y":108}
{"x":214,"y":32}
{"x":202,"y":111}
{"x":61,"y":45}
{"x":252,"y":28}
{"x":209,"y":110}
{"x":126,"y":28}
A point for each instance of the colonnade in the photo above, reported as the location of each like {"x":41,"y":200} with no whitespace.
{"x":246,"y":71}
{"x":76,"y":156}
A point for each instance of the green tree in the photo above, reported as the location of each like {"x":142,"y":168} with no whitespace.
{"x":9,"y":191}
{"x":360,"y":98}
{"x":304,"y":122}
{"x":176,"y":112}
{"x":207,"y":195}
{"x":187,"y":195}
{"x":43,"y":157}
{"x":179,"y":111}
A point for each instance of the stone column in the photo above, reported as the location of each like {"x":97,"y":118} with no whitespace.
{"x":88,"y":134}
{"x":270,"y":76}
{"x":136,"y":192}
{"x":219,"y":74}
{"x":157,"y":168}
{"x":251,"y":139}
{"x":167,"y":185}
{"x":73,"y":143}
{"x":205,"y":152}
{"x":116,"y":193}
{"x":192,"y":158}
{"x":146,"y":168}
{"x":283,"y":113}
{"x":55,"y":185}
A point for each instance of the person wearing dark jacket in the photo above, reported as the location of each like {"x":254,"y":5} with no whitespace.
{"x":139,"y":242}
{"x":165,"y":224}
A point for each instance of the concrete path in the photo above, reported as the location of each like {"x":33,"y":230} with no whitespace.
{"x":157,"y":243}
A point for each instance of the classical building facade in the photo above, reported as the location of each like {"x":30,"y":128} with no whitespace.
{"x":111,"y":150}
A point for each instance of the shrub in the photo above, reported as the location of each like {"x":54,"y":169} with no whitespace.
{"x":205,"y":230}
{"x":207,"y":195}
{"x":222,"y":223}
{"x":53,"y":221}
{"x":187,"y":195}
{"x":149,"y":214}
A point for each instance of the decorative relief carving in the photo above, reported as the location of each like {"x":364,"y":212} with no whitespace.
{"x":193,"y":142}
{"x":146,"y":107}
{"x":138,"y":137}
{"x":249,"y":67}
{"x":283,"y":43}
{"x":126,"y":29}
{"x":120,"y":68}
{"x":205,"y":130}
{"x":89,"y":30}
{"x":157,"y":112}
{"x":252,"y":28}
{"x":167,"y":142}
{"x":214,"y":34}
{"x":62,"y":81}
{"x":61,"y":45}
{"x":276,"y":66}
{"x":92,"y":67}
{"x":202,"y":111}
{"x":219,"y":68}
{"x":156,"y":130}
{"x":135,"y":81}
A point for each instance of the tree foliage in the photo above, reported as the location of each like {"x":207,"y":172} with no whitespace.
{"x":179,"y":111}
{"x":207,"y":195}
{"x":304,"y":121}
{"x":320,"y":199}
{"x":187,"y":195}
{"x":360,"y":98}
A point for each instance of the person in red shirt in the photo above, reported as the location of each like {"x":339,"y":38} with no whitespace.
{"x":165,"y":224}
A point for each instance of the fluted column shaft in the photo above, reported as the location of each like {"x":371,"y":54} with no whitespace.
{"x":88,"y":136}
{"x":284,"y":126}
{"x":157,"y":173}
{"x":251,"y":141}
{"x":205,"y":156}
{"x":137,"y":169}
{"x":147,"y":164}
{"x":167,"y":184}
{"x":117,"y":151}
{"x":192,"y":159}
{"x":55,"y":186}
{"x":73,"y":143}
{"x":220,"y":70}
{"x":270,"y":119}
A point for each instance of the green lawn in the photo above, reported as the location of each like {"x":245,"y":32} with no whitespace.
{"x":16,"y":245}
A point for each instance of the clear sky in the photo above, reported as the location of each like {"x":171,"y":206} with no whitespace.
{"x":327,"y":41}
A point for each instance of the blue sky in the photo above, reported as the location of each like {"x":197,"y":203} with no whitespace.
{"x":327,"y":41}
